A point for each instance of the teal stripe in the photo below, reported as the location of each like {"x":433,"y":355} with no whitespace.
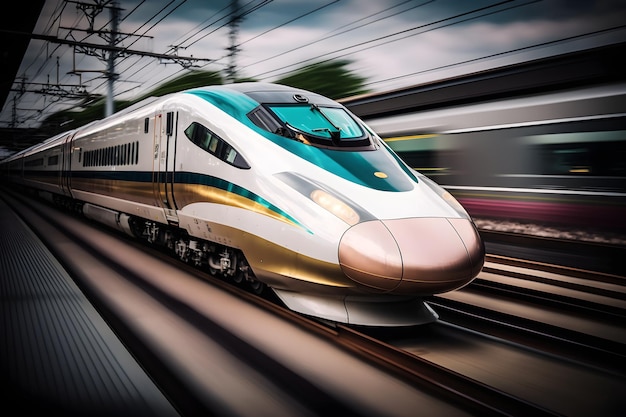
{"x":236,"y":104}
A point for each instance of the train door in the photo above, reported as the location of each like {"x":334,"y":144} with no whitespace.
{"x":163,"y":164}
{"x":65,"y":171}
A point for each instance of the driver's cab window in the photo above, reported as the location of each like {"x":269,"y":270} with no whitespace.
{"x":324,"y":126}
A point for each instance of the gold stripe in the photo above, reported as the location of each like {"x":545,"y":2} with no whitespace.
{"x":184,"y":194}
{"x":263,"y":255}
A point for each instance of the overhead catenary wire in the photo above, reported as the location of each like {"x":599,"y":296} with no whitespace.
{"x":173,"y":48}
{"x":218,"y":20}
{"x":331,"y":34}
{"x":406,"y":32}
{"x":242,"y":10}
{"x":283,"y":68}
{"x":489,"y":56}
{"x":246,"y":9}
{"x":154,"y":24}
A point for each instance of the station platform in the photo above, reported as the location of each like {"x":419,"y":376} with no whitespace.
{"x":57,"y":354}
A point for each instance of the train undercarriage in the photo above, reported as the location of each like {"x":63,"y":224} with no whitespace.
{"x":220,"y":261}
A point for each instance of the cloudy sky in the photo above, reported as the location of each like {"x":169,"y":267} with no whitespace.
{"x":391,"y":43}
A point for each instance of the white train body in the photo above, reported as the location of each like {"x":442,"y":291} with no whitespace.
{"x":273,"y":185}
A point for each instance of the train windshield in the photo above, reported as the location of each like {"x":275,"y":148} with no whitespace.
{"x":318,"y":125}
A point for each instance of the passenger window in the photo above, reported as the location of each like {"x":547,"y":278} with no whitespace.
{"x":213,"y":145}
{"x":210,"y":142}
{"x":231,"y":155}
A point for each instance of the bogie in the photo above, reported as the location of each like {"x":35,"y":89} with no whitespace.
{"x":218,"y":260}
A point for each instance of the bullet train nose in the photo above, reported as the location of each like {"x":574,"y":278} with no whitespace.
{"x":416,"y":256}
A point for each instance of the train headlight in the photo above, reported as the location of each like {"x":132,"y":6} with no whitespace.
{"x":335,"y":206}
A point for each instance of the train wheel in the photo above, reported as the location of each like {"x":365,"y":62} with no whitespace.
{"x":241,"y":271}
{"x":256,"y":286}
{"x":181,"y":248}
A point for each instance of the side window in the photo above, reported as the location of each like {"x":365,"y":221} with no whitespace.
{"x":210,"y":142}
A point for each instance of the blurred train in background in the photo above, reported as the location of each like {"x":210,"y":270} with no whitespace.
{"x":543,"y":142}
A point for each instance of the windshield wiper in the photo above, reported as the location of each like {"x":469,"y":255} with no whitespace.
{"x":335,"y":135}
{"x":294,"y":133}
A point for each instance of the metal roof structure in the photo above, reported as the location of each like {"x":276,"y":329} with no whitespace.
{"x":15,"y":33}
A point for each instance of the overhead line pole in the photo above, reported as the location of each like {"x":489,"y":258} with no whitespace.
{"x":111,"y":75}
{"x":231,"y":69}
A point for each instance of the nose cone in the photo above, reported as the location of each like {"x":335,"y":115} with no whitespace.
{"x":416,"y":256}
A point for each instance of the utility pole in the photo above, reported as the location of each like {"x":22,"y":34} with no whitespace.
{"x":112,"y":50}
{"x":236,"y":17}
{"x":111,"y":75}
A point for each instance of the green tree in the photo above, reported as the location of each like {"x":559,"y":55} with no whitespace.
{"x":191,"y":79}
{"x":71,"y":119}
{"x":331,"y":78}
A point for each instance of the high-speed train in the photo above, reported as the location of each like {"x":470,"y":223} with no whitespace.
{"x":275,"y":186}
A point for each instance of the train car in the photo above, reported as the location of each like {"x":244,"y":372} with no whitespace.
{"x":556,"y":158}
{"x":274,"y":186}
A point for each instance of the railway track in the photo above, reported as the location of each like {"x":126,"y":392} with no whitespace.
{"x":601,"y":258}
{"x":563,"y":325}
{"x":571,"y":313}
{"x":418,"y":361}
{"x":208,"y":344}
